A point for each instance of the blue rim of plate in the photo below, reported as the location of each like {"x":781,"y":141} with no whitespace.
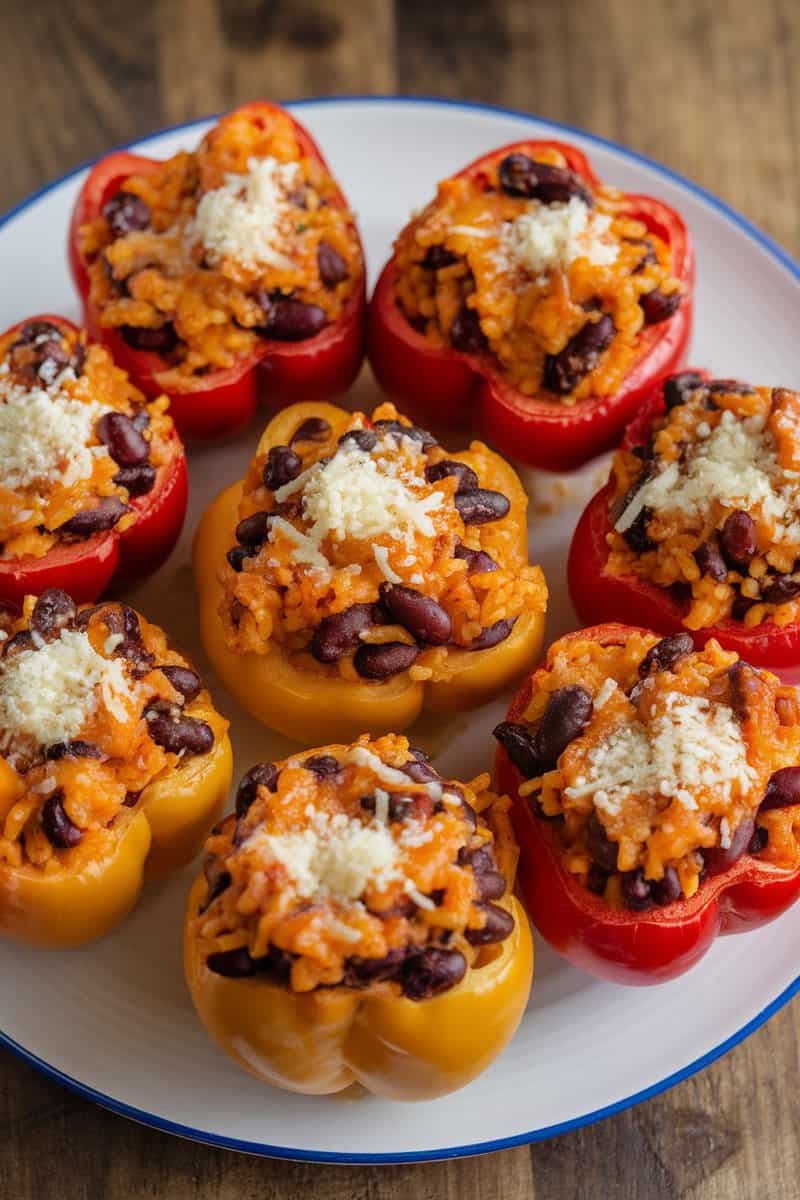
{"x":534,"y":1135}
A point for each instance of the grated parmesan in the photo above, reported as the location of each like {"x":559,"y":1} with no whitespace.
{"x":549,"y":237}
{"x":246,"y":218}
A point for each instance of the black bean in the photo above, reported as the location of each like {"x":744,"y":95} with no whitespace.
{"x":332,"y":267}
{"x":421,"y":615}
{"x":464,"y":476}
{"x":76,"y":749}
{"x":490,"y":883}
{"x":236,"y":556}
{"x":569,"y":710}
{"x":138,"y":480}
{"x":153,"y":341}
{"x":383,"y":660}
{"x":233,"y":964}
{"x":261,"y":775}
{"x":324,"y":766}
{"x":314,"y":429}
{"x":636,"y":534}
{"x":289,"y":320}
{"x":18,"y":644}
{"x":437,"y":258}
{"x":338,"y":634}
{"x":666,"y":654}
{"x":521,"y":176}
{"x":184,"y":680}
{"x":564,"y":371}
{"x":498,"y":925}
{"x":493,"y":635}
{"x":783,"y":789}
{"x":520,"y":746}
{"x":476,"y":506}
{"x":252,"y":530}
{"x":105,"y":516}
{"x":360,"y":972}
{"x":365,"y":439}
{"x":667,"y":889}
{"x":432,"y":971}
{"x":602,"y":849}
{"x":711,"y":562}
{"x":659,"y":306}
{"x":125,"y":443}
{"x":717,"y":859}
{"x":177,"y":733}
{"x":425,"y":439}
{"x":780,"y":589}
{"x":678,"y":388}
{"x":282,"y":466}
{"x":737,"y":538}
{"x":477,"y":560}
{"x":53,"y":611}
{"x":125,"y":213}
{"x":466,"y":334}
{"x":56,"y":825}
{"x":636,"y":891}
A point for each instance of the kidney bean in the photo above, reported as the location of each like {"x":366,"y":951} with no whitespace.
{"x":313,"y":429}
{"x":253,"y":530}
{"x":717,"y":859}
{"x":636,"y":534}
{"x":729,"y":387}
{"x":711,"y":562}
{"x":758,"y":841}
{"x":658,"y":306}
{"x":289,"y":320}
{"x":324,"y":766}
{"x":232,"y":964}
{"x":282,"y":466}
{"x":568,"y":712}
{"x":424,"y":619}
{"x":275,"y":965}
{"x":780,"y":589}
{"x":56,"y":825}
{"x":745,"y":688}
{"x":401,"y":806}
{"x":419,"y":769}
{"x":636,"y":891}
{"x":740,"y":606}
{"x":365,"y":439}
{"x":17,"y":644}
{"x":737,"y":538}
{"x":602,"y":849}
{"x":450,"y":468}
{"x":217,"y":881}
{"x":678,"y":388}
{"x":521,"y":176}
{"x":384,"y":659}
{"x":184,"y":680}
{"x":496,"y":928}
{"x":437,"y":258}
{"x":429,"y":972}
{"x":666,"y":654}
{"x":125,"y":213}
{"x":53,"y":611}
{"x":493,"y":635}
{"x":783,"y":789}
{"x":175,"y":732}
{"x":425,"y":439}
{"x":141,"y":419}
{"x":668,"y":889}
{"x":31,"y":331}
{"x":477,"y":560}
{"x":138,"y":480}
{"x":649,"y":257}
{"x":105,"y":516}
{"x":564,"y":371}
{"x":332,"y":267}
{"x":125,"y":443}
{"x":154,"y":341}
{"x":236,"y":556}
{"x":338,"y":634}
{"x":520,"y":746}
{"x":477,"y":506}
{"x":490,"y":883}
{"x":596,"y":879}
{"x":360,"y":972}
{"x":466,"y":334}
{"x":76,"y":749}
{"x":261,"y":775}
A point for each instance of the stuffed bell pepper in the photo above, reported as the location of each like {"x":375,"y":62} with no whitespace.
{"x":223,"y":275}
{"x":698,"y":527}
{"x":359,"y":572}
{"x":656,"y":798}
{"x":113,"y":766}
{"x":93,"y":482}
{"x":354,"y":923}
{"x":535,"y":303}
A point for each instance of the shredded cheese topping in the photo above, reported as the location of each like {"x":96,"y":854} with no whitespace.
{"x":245,"y":219}
{"x":549,"y":237}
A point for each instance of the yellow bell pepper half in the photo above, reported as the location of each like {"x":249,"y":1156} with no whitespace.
{"x":313,"y":707}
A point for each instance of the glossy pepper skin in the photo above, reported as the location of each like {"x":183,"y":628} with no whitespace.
{"x":86,"y":568}
{"x":618,"y":944}
{"x":446,"y":388}
{"x":222,"y":402}
{"x":599,"y":596}
{"x":322,"y":1041}
{"x":99,"y":881}
{"x":310,"y":706}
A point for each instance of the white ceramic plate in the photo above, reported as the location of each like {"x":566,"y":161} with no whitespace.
{"x":114,"y":1021}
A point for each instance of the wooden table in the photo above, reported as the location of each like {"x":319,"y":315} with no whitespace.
{"x":709,"y":87}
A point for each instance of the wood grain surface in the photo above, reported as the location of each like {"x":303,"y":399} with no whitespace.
{"x":709,"y":87}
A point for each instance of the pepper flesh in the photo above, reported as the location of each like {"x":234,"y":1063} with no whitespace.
{"x":619,"y":944}
{"x":322,"y":1041}
{"x":222,"y":402}
{"x":85,"y":569}
{"x":449,"y":388}
{"x":599,"y":596}
{"x":315,"y":708}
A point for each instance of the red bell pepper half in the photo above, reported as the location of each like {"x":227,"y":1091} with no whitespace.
{"x":619,"y":944}
{"x":448,"y":388}
{"x":599,"y":596}
{"x":277,"y":373}
{"x":86,"y":568}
